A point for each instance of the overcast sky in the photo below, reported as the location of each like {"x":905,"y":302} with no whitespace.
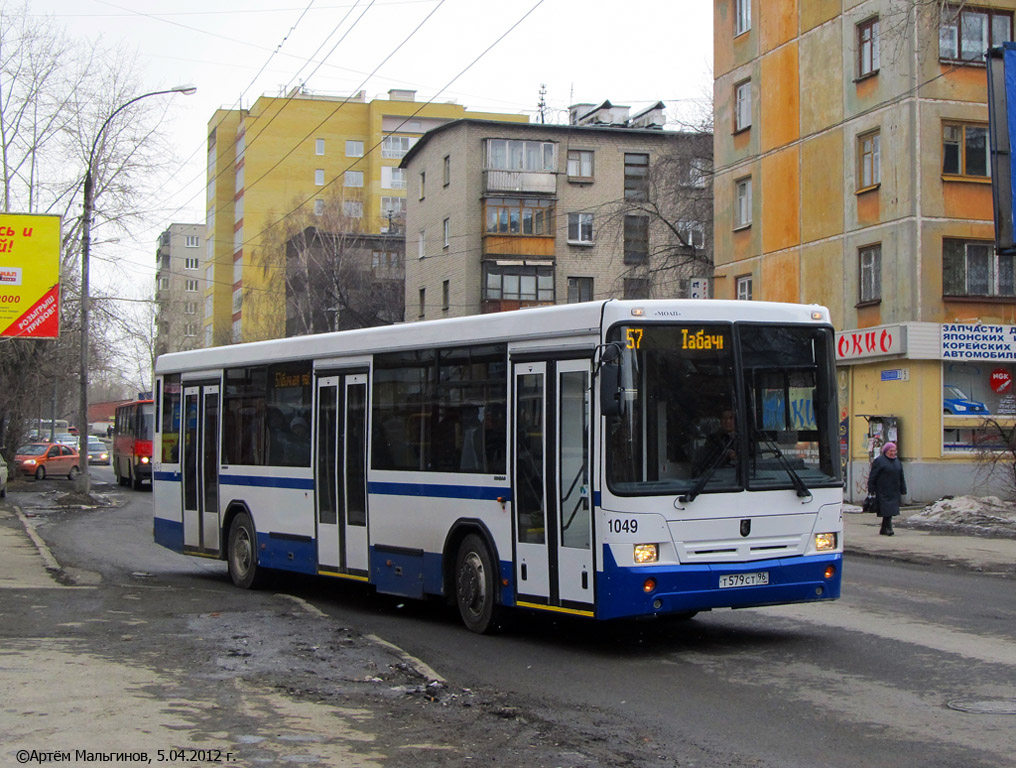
{"x":632,"y":52}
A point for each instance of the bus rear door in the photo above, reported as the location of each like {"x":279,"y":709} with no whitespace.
{"x":554,"y":555}
{"x":200,"y":439}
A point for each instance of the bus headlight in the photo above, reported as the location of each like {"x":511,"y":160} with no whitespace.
{"x":825,"y":542}
{"x":144,"y":459}
{"x":646,"y":553}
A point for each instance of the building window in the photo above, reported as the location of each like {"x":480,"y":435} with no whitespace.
{"x":446,"y":294}
{"x":744,"y":288}
{"x":319,"y":146}
{"x":965,"y":150}
{"x":636,"y":288}
{"x":190,"y":308}
{"x":692,"y":233}
{"x":421,"y":251}
{"x":580,"y":228}
{"x":423,"y":184}
{"x":190,"y":329}
{"x":694,"y":172}
{"x":352,"y":209}
{"x":393,"y":178}
{"x":513,"y":283}
{"x":517,"y":155}
{"x":742,"y":17}
{"x":580,"y":164}
{"x":636,"y":176}
{"x":163,"y":283}
{"x":742,"y":209}
{"x":869,"y":172}
{"x":237,"y":270}
{"x":972,"y":268}
{"x":423,"y":302}
{"x":446,"y":170}
{"x":319,"y":177}
{"x":965,"y":34}
{"x":209,"y":305}
{"x":580,"y":289}
{"x":870,"y":264}
{"x":511,"y":216}
{"x":191,"y":263}
{"x":742,"y":106}
{"x":354,"y":149}
{"x":352,"y":179}
{"x":192,"y":241}
{"x":319,"y":207}
{"x":191,"y":285}
{"x":636,"y":239}
{"x":867,"y":47}
{"x":396,"y":147}
{"x":446,"y":228}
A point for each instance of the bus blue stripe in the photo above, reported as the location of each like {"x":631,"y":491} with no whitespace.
{"x":301,"y":483}
{"x":478,"y":492}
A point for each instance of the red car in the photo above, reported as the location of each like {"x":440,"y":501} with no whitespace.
{"x":42,"y":459}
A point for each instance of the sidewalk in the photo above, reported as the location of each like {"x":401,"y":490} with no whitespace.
{"x":976,"y":553}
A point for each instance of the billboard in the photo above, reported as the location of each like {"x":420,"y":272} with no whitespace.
{"x":29,"y":276}
{"x":1001,"y":134}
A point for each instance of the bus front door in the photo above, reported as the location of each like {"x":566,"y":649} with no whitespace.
{"x":554,"y":555}
{"x":340,"y":469}
{"x":200,"y":439}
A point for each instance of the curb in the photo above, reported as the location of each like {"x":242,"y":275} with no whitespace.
{"x":44,"y":551}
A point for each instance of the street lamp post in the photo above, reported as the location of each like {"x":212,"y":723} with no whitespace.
{"x":84,"y":479}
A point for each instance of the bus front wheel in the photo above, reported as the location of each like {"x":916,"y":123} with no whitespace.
{"x":243,"y":555}
{"x":476,"y":586}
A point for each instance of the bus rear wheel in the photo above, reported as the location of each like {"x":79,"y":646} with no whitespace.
{"x":243,"y":554}
{"x":476,"y":586}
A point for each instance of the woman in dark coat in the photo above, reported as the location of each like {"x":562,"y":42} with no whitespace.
{"x":886,"y":482}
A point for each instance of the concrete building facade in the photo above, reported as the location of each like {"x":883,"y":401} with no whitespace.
{"x":285,"y":159}
{"x":179,"y":288}
{"x":503,"y":216}
{"x":852,"y":171}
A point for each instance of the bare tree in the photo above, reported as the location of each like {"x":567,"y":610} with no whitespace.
{"x":995,"y":455}
{"x":333,"y":274}
{"x":664,"y":226}
{"x":55,"y":95}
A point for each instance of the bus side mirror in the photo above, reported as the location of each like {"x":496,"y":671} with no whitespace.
{"x":610,"y":380}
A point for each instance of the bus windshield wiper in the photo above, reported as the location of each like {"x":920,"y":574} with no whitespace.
{"x":708,"y":471}
{"x":795,"y":479}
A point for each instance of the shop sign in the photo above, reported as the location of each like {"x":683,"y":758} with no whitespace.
{"x":870,"y":342}
{"x":978,"y":342}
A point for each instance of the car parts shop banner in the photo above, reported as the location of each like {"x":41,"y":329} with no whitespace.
{"x":29,"y":276}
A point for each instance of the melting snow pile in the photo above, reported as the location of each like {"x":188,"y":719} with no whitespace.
{"x":989,"y":514}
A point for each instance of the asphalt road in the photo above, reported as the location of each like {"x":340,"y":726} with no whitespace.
{"x":915,"y":665}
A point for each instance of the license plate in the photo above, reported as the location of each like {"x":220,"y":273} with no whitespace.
{"x":744,"y":579}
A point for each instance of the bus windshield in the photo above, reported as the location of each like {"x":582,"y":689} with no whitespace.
{"x":721,"y":407}
{"x":146,"y":421}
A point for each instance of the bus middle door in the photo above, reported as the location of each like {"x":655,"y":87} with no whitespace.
{"x":341,"y":474}
{"x":554,"y":556}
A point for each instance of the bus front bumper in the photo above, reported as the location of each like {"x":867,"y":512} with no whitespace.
{"x":648,"y":591}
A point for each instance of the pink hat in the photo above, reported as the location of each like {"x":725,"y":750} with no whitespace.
{"x":887,"y":446}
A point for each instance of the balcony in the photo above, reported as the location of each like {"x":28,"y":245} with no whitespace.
{"x":520,"y":182}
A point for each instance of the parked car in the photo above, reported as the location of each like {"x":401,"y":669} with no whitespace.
{"x":98,"y":453}
{"x":3,"y":477}
{"x":955,"y":401}
{"x":40,"y":460}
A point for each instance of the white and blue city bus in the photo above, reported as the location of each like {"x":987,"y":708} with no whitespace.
{"x":606,"y":459}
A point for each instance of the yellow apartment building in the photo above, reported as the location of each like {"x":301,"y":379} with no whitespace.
{"x":290,"y":156}
{"x":852,"y":170}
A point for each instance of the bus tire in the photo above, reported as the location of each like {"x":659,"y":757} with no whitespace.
{"x":476,"y":586}
{"x":135,"y":481}
{"x":40,"y":473}
{"x":243,"y":553}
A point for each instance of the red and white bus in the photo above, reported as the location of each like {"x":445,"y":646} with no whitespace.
{"x":132,"y":442}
